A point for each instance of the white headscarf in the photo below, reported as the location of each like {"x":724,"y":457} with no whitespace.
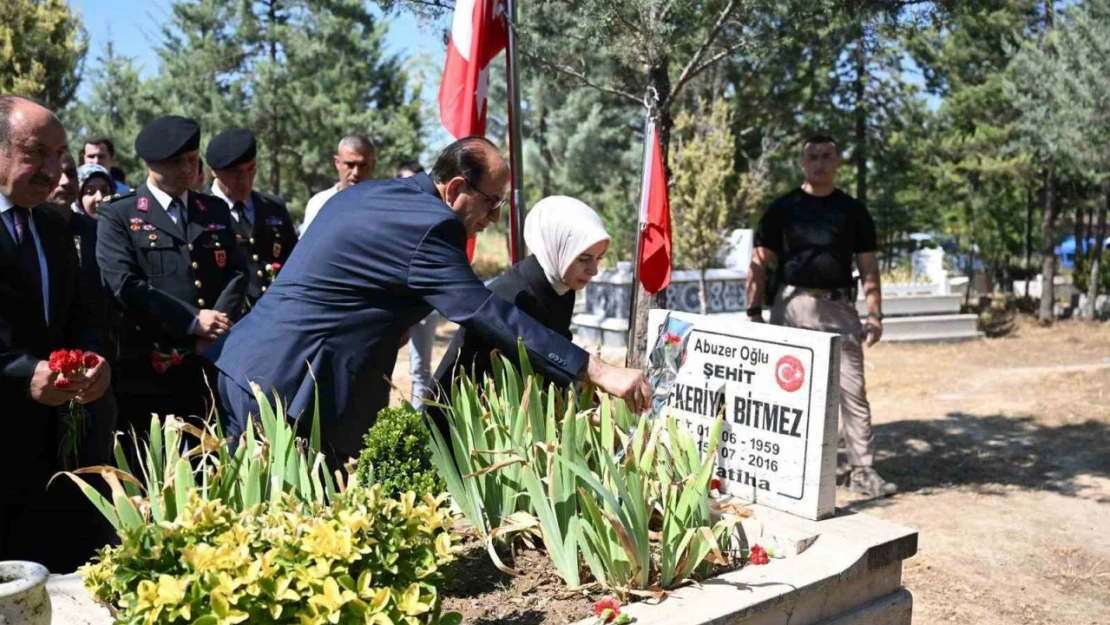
{"x":557,"y":230}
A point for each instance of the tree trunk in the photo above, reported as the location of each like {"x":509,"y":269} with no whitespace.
{"x":971,"y":206}
{"x":1096,"y":254}
{"x":544,"y":148}
{"x":860,"y":156}
{"x":1028,"y":238}
{"x":703,"y":292}
{"x":642,"y":302}
{"x":275,"y":132}
{"x":1048,"y":248}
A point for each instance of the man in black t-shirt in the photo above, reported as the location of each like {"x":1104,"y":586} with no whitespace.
{"x":815,"y":232}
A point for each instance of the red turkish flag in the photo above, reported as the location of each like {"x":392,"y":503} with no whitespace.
{"x":655,"y":218}
{"x":477,"y":35}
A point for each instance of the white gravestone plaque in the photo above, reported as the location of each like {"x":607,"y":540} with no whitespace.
{"x":778,"y":389}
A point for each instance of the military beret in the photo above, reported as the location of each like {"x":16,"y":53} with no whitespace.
{"x":166,"y":137}
{"x":230,"y":148}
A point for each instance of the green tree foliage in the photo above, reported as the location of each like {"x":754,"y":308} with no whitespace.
{"x":42,"y":46}
{"x":1076,"y":61}
{"x":300,"y":73}
{"x":703,"y":196}
{"x":118,"y":105}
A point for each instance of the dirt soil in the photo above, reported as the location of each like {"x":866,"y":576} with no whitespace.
{"x":1001,"y":449}
{"x":484,"y":595}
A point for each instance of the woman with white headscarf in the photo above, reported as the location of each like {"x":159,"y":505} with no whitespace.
{"x":567,"y":242}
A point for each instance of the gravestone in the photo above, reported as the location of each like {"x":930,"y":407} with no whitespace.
{"x":778,"y":391}
{"x":738,"y":250}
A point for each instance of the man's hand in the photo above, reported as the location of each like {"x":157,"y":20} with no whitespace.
{"x":628,"y":384}
{"x":99,"y":377}
{"x":211,"y":324}
{"x":873,"y":330}
{"x":42,"y":388}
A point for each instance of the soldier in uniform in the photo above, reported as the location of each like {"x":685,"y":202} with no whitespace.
{"x":263,"y":229}
{"x":169,"y":259}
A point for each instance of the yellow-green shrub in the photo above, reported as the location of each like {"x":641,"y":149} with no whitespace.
{"x":362,"y":559}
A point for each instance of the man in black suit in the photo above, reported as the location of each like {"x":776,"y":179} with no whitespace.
{"x":41,"y":310}
{"x":263,"y":229}
{"x":169,"y":258}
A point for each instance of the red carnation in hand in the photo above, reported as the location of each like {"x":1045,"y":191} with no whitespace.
{"x":715,"y":484}
{"x":61,"y":383}
{"x":758,"y":555}
{"x":58,"y":360}
{"x":91,"y":360}
{"x":607,"y":609}
{"x":158,"y":362}
{"x":74,"y":361}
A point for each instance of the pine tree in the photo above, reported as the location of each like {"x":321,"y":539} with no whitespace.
{"x":42,"y":47}
{"x":119,"y":104}
{"x":703,"y":195}
{"x":1049,"y":124}
{"x":301,"y":74}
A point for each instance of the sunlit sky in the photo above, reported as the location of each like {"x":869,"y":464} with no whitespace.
{"x":135,"y":27}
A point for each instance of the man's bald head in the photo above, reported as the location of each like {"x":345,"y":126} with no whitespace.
{"x":32,"y":145}
{"x":472,"y":177}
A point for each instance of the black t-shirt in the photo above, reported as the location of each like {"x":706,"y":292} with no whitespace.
{"x":816,"y":238}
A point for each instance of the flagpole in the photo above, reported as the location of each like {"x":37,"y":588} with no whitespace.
{"x":641,"y":224}
{"x":516,"y":204}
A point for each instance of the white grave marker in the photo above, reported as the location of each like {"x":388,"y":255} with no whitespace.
{"x":778,"y":389}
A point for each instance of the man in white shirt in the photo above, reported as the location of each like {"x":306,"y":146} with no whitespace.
{"x":355,"y":159}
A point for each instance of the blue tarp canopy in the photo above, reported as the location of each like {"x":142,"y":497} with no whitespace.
{"x":1066,"y":250}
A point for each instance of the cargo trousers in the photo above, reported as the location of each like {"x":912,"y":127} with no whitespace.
{"x":799,"y":308}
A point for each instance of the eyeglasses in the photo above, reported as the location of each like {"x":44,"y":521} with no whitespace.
{"x":495,"y":204}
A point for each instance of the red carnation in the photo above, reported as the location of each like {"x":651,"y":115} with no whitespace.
{"x":91,"y":360}
{"x":673,"y":339}
{"x":758,"y":555}
{"x":275,"y":267}
{"x":715,"y":484}
{"x":158,"y":362}
{"x":62,"y":382}
{"x":58,"y":360}
{"x":176,"y":358}
{"x":74,"y":361}
{"x":607,"y":609}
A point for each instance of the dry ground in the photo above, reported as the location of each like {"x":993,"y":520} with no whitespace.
{"x":1002,"y":450}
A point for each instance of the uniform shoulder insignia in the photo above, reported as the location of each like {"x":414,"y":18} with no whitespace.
{"x":121,"y":196}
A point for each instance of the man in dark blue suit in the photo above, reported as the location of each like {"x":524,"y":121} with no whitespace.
{"x":378,"y":258}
